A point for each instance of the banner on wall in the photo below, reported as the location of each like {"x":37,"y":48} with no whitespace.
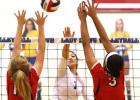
{"x":117,"y":1}
{"x":118,"y":5}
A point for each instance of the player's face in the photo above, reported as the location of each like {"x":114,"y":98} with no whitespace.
{"x":119,"y":25}
{"x":29,"y":26}
{"x":72,"y":60}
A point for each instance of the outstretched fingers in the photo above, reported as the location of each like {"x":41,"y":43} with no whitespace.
{"x":73,"y":34}
{"x":89,"y":3}
{"x":96,"y":6}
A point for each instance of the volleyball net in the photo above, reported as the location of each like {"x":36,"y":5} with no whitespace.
{"x":53,"y":56}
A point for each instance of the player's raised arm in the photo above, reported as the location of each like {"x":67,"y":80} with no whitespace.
{"x":65,"y":53}
{"x":41,"y":46}
{"x":17,"y":42}
{"x":101,"y":31}
{"x":67,"y":34}
{"x":89,"y":55}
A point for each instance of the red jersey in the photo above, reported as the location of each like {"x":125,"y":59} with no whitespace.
{"x":107,"y":87}
{"x":33,"y":80}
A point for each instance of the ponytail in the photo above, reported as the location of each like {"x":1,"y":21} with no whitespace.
{"x":21,"y":85}
{"x":19,"y":71}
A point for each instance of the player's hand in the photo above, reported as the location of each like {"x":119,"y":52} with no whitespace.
{"x":67,"y":33}
{"x":40,"y":18}
{"x":91,"y":8}
{"x":21,"y":17}
{"x":82,"y":12}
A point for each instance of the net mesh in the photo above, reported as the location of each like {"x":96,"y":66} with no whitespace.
{"x":52,"y":59}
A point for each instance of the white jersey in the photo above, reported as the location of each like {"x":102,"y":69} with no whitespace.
{"x":67,"y":88}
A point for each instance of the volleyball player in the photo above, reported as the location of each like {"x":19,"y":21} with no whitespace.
{"x":122,"y":49}
{"x":30,"y":49}
{"x":109,"y":79}
{"x":22,"y":78}
{"x":69,"y":85}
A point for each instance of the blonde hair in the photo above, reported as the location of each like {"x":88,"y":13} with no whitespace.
{"x":120,"y":19}
{"x":19,"y":70}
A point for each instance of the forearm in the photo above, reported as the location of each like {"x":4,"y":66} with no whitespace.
{"x":65,"y":52}
{"x":84,"y":33}
{"x":41,"y":50}
{"x":41,"y":45}
{"x":63,"y":62}
{"x":17,"y":41}
{"x":89,"y":55}
{"x":62,"y":67}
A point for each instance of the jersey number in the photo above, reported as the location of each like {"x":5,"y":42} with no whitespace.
{"x":113,"y":82}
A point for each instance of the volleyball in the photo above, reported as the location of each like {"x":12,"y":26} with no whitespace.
{"x":50,"y":5}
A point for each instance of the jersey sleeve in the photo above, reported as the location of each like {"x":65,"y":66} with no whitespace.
{"x":34,"y":76}
{"x":34,"y":81}
{"x":127,"y":35}
{"x":112,"y":35}
{"x":7,"y":82}
{"x":95,"y":75}
{"x":95,"y":69}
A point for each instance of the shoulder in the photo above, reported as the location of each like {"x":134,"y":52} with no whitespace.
{"x":68,"y":72}
{"x":33,"y":76}
{"x":33,"y":73}
{"x":127,"y":34}
{"x":112,"y":35}
{"x":97,"y":65}
{"x":96,"y":68}
{"x":8,"y":77}
{"x":8,"y":73}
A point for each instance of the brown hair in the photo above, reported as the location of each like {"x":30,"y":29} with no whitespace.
{"x":76,"y":58}
{"x":19,"y":70}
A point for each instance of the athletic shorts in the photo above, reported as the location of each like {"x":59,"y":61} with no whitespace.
{"x":31,"y":60}
{"x":126,"y":58}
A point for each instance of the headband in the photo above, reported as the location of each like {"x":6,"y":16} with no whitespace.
{"x":109,"y":55}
